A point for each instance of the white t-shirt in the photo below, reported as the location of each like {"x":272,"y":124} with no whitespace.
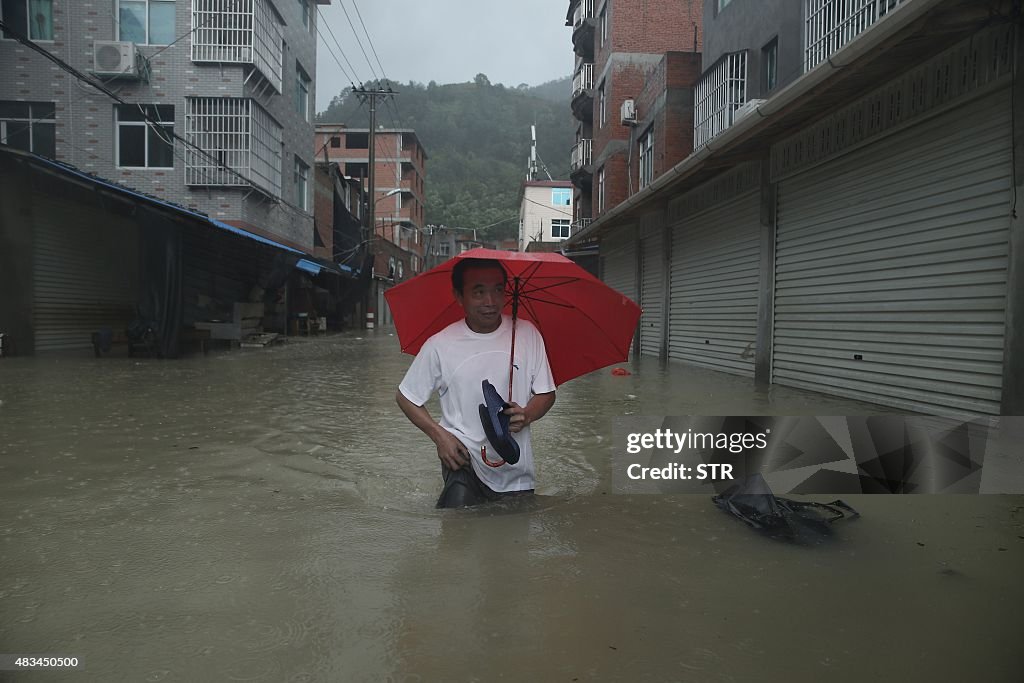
{"x":454,"y":363}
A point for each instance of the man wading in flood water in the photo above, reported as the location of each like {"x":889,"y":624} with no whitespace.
{"x":453,"y":363}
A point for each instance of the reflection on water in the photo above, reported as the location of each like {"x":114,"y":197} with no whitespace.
{"x":268,"y":516}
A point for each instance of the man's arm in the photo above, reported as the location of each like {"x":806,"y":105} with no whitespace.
{"x":452,"y":453}
{"x":538,"y":406}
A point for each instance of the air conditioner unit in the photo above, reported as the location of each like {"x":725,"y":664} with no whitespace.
{"x":746,"y":108}
{"x":114,"y":58}
{"x":628,"y":112}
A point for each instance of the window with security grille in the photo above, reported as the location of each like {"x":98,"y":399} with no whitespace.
{"x":239,"y":32}
{"x":240,"y":144}
{"x":147,"y":22}
{"x":29,"y":126}
{"x":30,"y":18}
{"x":145,"y":135}
{"x":559,"y":228}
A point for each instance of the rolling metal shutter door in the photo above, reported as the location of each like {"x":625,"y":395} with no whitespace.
{"x":652,"y":289}
{"x":891,"y":267}
{"x":715,"y":266}
{"x":618,"y":265}
{"x":85,"y":274}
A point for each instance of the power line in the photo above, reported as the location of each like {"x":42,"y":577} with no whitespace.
{"x":103,"y":89}
{"x":323,"y":20}
{"x":358,"y":41}
{"x":336,"y":60}
{"x":369,"y":40}
{"x":215,"y":15}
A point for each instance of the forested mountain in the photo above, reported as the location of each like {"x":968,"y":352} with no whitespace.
{"x":477,"y":139}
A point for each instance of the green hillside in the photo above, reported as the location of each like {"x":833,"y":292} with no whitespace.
{"x":477,"y":139}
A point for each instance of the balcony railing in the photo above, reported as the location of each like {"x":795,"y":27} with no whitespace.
{"x":579,"y":225}
{"x":831,"y":24}
{"x":583,"y":80}
{"x":241,"y":32}
{"x":584,"y":11}
{"x":581,"y":154}
{"x":720,"y":92}
{"x":242,"y":143}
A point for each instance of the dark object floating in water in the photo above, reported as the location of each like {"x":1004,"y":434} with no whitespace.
{"x":753,"y":502}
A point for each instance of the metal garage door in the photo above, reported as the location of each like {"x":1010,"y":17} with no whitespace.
{"x":891,"y":267}
{"x":85,"y":274}
{"x":618,"y":264}
{"x":652,"y":293}
{"x":714,"y":286}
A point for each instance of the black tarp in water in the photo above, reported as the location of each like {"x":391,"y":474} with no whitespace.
{"x":753,"y":502}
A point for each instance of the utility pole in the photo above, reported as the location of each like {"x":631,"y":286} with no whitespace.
{"x":371,"y":95}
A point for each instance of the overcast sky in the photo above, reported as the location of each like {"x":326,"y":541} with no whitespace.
{"x":448,"y":41}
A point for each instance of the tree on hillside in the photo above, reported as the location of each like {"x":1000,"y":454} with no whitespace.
{"x":477,"y":139}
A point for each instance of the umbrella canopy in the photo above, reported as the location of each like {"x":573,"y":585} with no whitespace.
{"x":586,"y":324}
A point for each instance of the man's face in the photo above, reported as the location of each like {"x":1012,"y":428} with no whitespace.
{"x":482,"y":298}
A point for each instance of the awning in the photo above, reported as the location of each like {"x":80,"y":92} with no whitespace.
{"x":308,"y":266}
{"x":96,"y":181}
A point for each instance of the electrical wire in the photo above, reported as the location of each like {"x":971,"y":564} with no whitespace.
{"x":359,"y":14}
{"x":323,"y":20}
{"x":64,"y":66}
{"x":358,"y":41}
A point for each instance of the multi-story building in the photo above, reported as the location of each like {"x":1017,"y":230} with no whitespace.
{"x":215,"y":101}
{"x":750,"y":53}
{"x":545,"y":212}
{"x":200,"y":111}
{"x":399,"y":190}
{"x":845,"y":223}
{"x":618,"y":45}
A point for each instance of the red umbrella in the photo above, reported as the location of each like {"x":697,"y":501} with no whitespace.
{"x":586,"y":324}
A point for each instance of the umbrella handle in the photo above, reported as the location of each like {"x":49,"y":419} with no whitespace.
{"x":515,"y":315}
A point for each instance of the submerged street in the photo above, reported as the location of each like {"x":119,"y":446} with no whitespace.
{"x":268,"y":515}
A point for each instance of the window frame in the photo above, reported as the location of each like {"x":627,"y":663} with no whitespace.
{"x":770,"y":65}
{"x":645,"y":173}
{"x":26,"y":30}
{"x":301,"y":173}
{"x":30,"y":123}
{"x":306,"y":19}
{"x":561,"y":192}
{"x":118,"y":123}
{"x":600,"y":189}
{"x":602,"y":105}
{"x":146,"y":25}
{"x":303,"y":84}
{"x":602,"y":20}
{"x":565,"y":226}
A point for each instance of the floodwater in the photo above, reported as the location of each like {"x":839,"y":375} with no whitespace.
{"x":267,"y":515}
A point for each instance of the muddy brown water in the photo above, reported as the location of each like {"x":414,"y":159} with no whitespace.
{"x":268,"y":515}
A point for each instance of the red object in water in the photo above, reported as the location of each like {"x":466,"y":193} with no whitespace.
{"x":621,"y":372}
{"x":586,"y":324}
